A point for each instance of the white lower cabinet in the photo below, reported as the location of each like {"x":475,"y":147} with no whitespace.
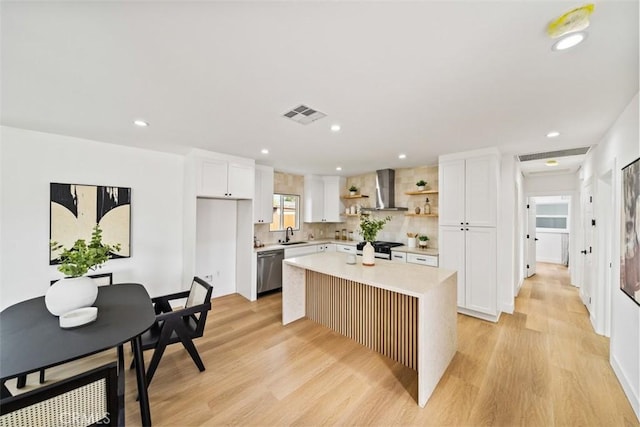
{"x":398,"y":256}
{"x":347,"y":249}
{"x":429,"y":260}
{"x":471,"y":251}
{"x":327,"y":247}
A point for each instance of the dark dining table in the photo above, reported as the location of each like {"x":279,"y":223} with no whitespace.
{"x":31,"y":338}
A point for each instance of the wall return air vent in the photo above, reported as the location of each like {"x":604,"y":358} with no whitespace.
{"x":554,"y":154}
{"x":304,"y":115}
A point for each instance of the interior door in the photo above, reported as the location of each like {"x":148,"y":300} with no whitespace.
{"x":587,"y":250}
{"x":531,"y":237}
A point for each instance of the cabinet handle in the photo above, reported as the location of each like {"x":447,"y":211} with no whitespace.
{"x":462,"y":229}
{"x":421,"y":259}
{"x":462,"y":223}
{"x":466,"y":229}
{"x":466,"y":223}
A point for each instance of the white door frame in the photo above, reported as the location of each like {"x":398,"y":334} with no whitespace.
{"x":605,"y":199}
{"x":530,"y":238}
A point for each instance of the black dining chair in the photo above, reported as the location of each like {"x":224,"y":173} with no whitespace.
{"x":88,"y":399}
{"x":182,"y":325}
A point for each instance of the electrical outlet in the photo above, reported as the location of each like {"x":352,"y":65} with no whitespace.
{"x":208,"y":278}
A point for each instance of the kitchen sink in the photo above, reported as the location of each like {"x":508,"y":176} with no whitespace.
{"x":292,"y":243}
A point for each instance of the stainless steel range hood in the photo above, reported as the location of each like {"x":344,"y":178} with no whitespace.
{"x":385,"y":191}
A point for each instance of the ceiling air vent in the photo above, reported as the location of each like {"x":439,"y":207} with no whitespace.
{"x":304,"y":115}
{"x":554,"y":154}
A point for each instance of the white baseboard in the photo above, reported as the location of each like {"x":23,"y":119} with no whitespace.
{"x":633,"y":398}
{"x":479,"y":315}
{"x":507,"y":308}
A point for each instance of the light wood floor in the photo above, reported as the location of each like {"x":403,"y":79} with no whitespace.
{"x":541,"y":366}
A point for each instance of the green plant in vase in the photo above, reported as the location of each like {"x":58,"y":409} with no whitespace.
{"x":421,"y":184}
{"x":423,"y":240}
{"x":370,"y":226}
{"x":77,"y":291}
{"x":77,"y":260}
{"x":353,"y":190}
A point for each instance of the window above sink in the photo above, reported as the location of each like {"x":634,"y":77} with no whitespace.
{"x":286,"y":213}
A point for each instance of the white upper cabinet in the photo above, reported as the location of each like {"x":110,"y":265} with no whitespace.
{"x":263,"y":198}
{"x":322,"y":201}
{"x":222,"y":178}
{"x":468,"y":191}
{"x":333,"y":205}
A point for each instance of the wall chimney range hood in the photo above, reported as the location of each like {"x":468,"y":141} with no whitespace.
{"x":385,"y":191}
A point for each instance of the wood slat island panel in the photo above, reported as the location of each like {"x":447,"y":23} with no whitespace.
{"x":379,"y":319}
{"x":406,"y":312}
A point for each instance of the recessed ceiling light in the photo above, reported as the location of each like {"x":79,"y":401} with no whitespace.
{"x":552,"y":163}
{"x":335,"y":128}
{"x":141,"y":123}
{"x":569,"y":40}
{"x":402,"y":156}
{"x":338,"y":168}
{"x":264,"y":151}
{"x":553,"y":134}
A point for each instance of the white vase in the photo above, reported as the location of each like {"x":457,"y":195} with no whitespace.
{"x":69,"y":294}
{"x":420,"y":187}
{"x":411,"y":242}
{"x":368,"y":255}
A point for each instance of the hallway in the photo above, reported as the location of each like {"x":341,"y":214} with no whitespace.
{"x":549,"y":363}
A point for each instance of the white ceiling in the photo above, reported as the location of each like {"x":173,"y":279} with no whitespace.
{"x":421,"y":78}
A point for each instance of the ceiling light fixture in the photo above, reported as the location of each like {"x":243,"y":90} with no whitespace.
{"x":335,"y":128}
{"x":402,"y":156}
{"x":338,"y":168}
{"x":552,"y":163}
{"x":553,"y":134}
{"x":264,"y":151}
{"x":141,"y":123}
{"x":569,"y":40}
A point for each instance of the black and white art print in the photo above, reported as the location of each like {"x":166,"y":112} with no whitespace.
{"x":630,"y":253}
{"x":76,"y":209}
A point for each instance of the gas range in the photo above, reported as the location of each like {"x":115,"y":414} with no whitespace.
{"x":382,"y":249}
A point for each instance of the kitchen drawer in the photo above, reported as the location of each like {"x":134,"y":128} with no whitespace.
{"x":346,"y":249}
{"x":300,"y":251}
{"x":429,"y":260}
{"x":398,"y":256}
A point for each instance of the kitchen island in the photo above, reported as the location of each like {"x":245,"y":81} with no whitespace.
{"x":406,"y":312}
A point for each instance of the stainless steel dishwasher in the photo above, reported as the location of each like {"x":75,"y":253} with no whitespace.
{"x":270,"y":270}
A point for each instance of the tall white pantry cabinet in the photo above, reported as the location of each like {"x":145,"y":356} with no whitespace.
{"x":468,"y":185}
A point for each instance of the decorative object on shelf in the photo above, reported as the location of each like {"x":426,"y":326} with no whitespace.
{"x":422,"y":241}
{"x":411,"y":240}
{"x":427,"y":207}
{"x":417,"y":210}
{"x":76,"y":290}
{"x":369,"y":227}
{"x":75,"y":208}
{"x":421,"y":185}
{"x":353,"y":190}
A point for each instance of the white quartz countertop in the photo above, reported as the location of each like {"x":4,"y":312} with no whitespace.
{"x":274,"y":246}
{"x":408,"y":279}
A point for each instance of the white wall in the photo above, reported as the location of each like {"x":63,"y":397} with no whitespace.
{"x":31,"y":160}
{"x":508,"y":263}
{"x":620,"y":147}
{"x":216,"y":244}
{"x":550,"y":184}
{"x":549,"y":247}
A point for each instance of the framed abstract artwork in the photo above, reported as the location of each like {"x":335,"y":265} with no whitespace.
{"x":630,"y":251}
{"x":75,"y":209}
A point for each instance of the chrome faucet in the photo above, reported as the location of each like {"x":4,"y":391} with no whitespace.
{"x":286,"y":234}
